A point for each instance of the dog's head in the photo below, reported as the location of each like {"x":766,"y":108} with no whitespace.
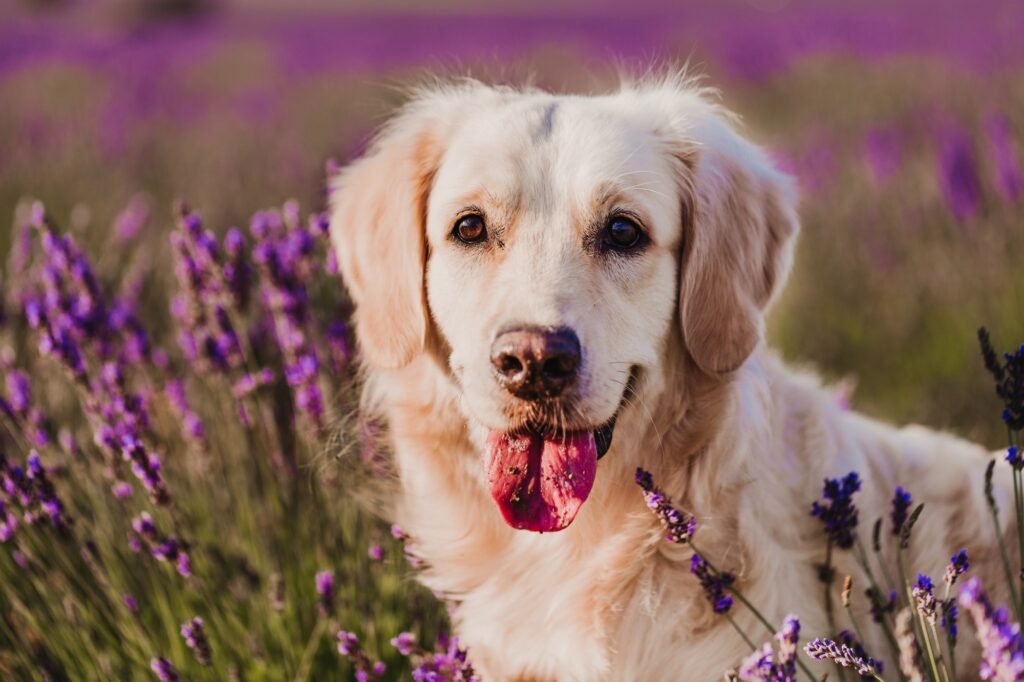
{"x":548,"y":250}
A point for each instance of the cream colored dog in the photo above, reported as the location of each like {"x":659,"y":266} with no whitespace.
{"x":544,"y":281}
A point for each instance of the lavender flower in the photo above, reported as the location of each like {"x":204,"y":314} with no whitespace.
{"x":192,"y":425}
{"x":679,"y":526}
{"x":924,"y":597}
{"x":714,"y":583}
{"x":847,"y":638}
{"x":950,"y":615}
{"x":839,"y":654}
{"x":325,"y":589}
{"x":194,"y":633}
{"x":206,"y":333}
{"x":283,"y":251}
{"x":163,"y":548}
{"x":1009,"y":178}
{"x":1002,"y":647}
{"x":130,"y":603}
{"x":165,"y":672}
{"x":405,"y":642}
{"x":764,"y":665}
{"x":901,"y":501}
{"x":1009,"y":379}
{"x":839,"y":514}
{"x":958,"y":175}
{"x":447,"y":662}
{"x":376,"y":552}
{"x":132,"y":219}
{"x":408,"y":547}
{"x":350,"y":648}
{"x":958,"y":565}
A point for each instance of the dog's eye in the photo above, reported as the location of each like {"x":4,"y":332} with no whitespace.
{"x":622,"y":234}
{"x":470,"y":229}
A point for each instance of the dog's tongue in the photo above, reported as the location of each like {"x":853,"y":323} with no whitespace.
{"x":540,"y":483}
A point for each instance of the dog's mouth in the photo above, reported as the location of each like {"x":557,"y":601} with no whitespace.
{"x":540,"y":477}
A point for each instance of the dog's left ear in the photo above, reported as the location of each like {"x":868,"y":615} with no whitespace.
{"x":378,"y":207}
{"x":739,"y":228}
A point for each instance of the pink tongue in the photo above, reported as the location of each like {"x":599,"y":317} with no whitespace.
{"x":538,"y":483}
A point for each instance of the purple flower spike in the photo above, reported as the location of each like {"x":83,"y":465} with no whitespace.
{"x":325,"y":588}
{"x":404,"y":642}
{"x":1009,"y":178}
{"x":365,"y":669}
{"x":924,"y":597}
{"x":130,"y":603}
{"x":950,"y":615}
{"x":679,"y":526}
{"x":901,"y":501}
{"x":839,"y":654}
{"x":958,"y":175}
{"x":839,"y":514}
{"x":1002,"y":648}
{"x":194,"y":633}
{"x":165,"y":672}
{"x":765,"y":666}
{"x":958,"y":565}
{"x":714,"y":584}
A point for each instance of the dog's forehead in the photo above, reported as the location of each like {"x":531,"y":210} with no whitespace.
{"x":545,"y":153}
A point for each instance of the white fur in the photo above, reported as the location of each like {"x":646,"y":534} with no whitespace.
{"x":729,"y":432}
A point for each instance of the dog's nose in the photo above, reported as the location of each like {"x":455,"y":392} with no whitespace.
{"x":534,"y":363}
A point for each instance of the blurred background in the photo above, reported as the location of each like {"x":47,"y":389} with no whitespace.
{"x":902,"y":121}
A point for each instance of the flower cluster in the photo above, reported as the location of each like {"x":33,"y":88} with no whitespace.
{"x":1002,"y":646}
{"x":194,"y":633}
{"x":165,"y":672}
{"x":283,"y":251}
{"x":713,"y":582}
{"x":958,"y":565}
{"x":447,"y":663}
{"x":1009,"y":378}
{"x":838,"y":512}
{"x":18,"y":407}
{"x":839,"y":654}
{"x":201,"y":307}
{"x":31,"y":490}
{"x":350,"y":648}
{"x":163,"y":548}
{"x":847,"y":639}
{"x":924,"y":598}
{"x":679,"y":526}
{"x":764,"y":665}
{"x":901,"y":501}
{"x":324,"y":582}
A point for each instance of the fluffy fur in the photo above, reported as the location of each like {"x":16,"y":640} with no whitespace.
{"x":732,"y":434}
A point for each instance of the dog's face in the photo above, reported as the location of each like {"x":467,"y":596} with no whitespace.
{"x":549,"y":249}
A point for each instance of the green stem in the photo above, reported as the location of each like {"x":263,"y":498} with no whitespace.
{"x":315,"y":637}
{"x":753,"y":647}
{"x":757,"y":614}
{"x":1010,"y":582}
{"x":862,"y":558}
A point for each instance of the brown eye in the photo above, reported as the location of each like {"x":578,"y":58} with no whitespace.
{"x":470,"y":229}
{"x":622,"y":234}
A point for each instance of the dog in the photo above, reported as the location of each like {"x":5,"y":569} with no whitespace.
{"x":553,"y":290}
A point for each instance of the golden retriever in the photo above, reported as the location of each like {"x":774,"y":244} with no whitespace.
{"x":553,"y":290}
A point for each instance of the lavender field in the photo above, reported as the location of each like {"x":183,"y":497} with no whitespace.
{"x":180,"y":436}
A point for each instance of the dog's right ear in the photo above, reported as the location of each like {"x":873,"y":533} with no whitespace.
{"x":378,"y":206}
